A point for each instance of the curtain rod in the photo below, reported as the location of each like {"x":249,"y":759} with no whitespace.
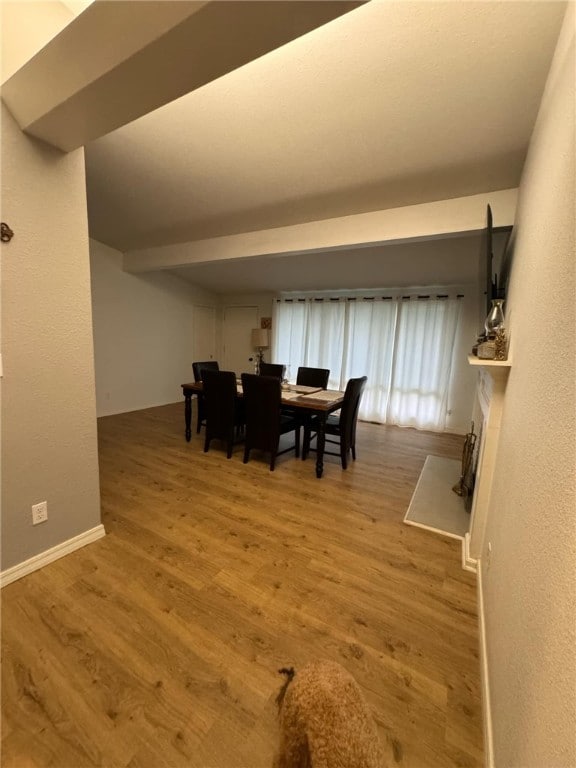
{"x":405,"y":297}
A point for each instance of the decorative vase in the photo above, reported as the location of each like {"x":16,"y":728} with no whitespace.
{"x":495,"y":320}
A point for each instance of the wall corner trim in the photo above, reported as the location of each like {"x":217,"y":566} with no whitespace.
{"x":468,"y":562}
{"x":55,"y":553}
{"x":484,"y":675}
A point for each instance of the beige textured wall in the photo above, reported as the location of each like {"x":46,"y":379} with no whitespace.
{"x":27,"y":27}
{"x":49,"y":442}
{"x":143,"y":339}
{"x":529,"y":583}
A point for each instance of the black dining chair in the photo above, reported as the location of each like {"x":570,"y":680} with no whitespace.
{"x":223,"y":408}
{"x":264,"y":421}
{"x":308,"y":377}
{"x":313,"y":377}
{"x":342,"y":426}
{"x":272,"y":369}
{"x":197,"y":368}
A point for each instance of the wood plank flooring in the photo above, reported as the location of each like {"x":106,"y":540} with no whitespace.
{"x":159,"y":645}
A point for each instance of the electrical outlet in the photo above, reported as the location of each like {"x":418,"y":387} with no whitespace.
{"x":39,"y":512}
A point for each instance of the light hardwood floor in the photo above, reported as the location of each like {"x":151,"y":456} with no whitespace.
{"x":159,"y":645}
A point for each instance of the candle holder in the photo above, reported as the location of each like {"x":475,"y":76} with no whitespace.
{"x":495,"y":318}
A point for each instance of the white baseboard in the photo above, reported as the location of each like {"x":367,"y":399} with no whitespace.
{"x":434,"y":530}
{"x":484,"y":678}
{"x":468,"y":562}
{"x":55,"y":553}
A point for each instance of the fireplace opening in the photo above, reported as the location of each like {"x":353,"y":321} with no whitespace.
{"x":470,"y":452}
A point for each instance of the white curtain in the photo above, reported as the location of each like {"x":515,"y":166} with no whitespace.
{"x":289,"y":332}
{"x":422,"y":363}
{"x":404,"y":347}
{"x":309,"y":333}
{"x":325,"y":339}
{"x":369,"y":352}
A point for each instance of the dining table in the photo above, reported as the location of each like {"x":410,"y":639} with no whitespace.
{"x":309,"y":401}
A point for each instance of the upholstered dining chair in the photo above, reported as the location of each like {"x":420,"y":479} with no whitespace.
{"x":313,"y":377}
{"x":197,"y":368}
{"x":264,"y":421}
{"x":342,"y":426}
{"x":272,"y":369}
{"x":308,"y":377}
{"x":223,"y":408}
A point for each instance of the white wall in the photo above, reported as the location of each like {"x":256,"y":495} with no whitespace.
{"x":143,"y":340}
{"x":263,"y":301}
{"x":49,"y":444}
{"x":529,"y":584}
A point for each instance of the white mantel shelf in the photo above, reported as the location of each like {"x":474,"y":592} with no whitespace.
{"x":498,"y":370}
{"x":473,"y":360}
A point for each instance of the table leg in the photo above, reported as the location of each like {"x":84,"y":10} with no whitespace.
{"x":320,"y":442}
{"x":188,"y":414}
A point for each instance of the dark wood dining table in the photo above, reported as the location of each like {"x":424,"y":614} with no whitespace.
{"x":308,"y":400}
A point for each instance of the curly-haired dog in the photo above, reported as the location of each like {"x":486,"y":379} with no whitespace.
{"x":325,"y":721}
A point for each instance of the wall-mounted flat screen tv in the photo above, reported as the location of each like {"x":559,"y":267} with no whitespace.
{"x":494,"y":264}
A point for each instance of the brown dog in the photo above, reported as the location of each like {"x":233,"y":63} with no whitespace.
{"x":325,"y":721}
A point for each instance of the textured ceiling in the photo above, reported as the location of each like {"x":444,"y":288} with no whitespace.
{"x":395,"y":103}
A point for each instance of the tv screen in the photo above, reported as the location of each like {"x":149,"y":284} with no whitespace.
{"x":494,"y":263}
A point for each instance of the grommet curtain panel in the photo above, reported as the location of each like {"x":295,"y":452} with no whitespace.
{"x":404,"y":345}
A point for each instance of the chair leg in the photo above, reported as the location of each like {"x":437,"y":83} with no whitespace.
{"x":229,"y":449}
{"x":206,"y":443}
{"x":246,"y":454}
{"x":200,"y":414}
{"x":272,"y":461}
{"x":344,"y":455}
{"x":297,"y":440}
{"x":354,"y":451}
{"x":306,"y":442}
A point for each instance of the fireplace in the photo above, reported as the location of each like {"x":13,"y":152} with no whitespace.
{"x":486,"y":414}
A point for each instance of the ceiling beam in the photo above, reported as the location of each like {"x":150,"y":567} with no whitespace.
{"x":443,"y":218}
{"x":120,"y":60}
